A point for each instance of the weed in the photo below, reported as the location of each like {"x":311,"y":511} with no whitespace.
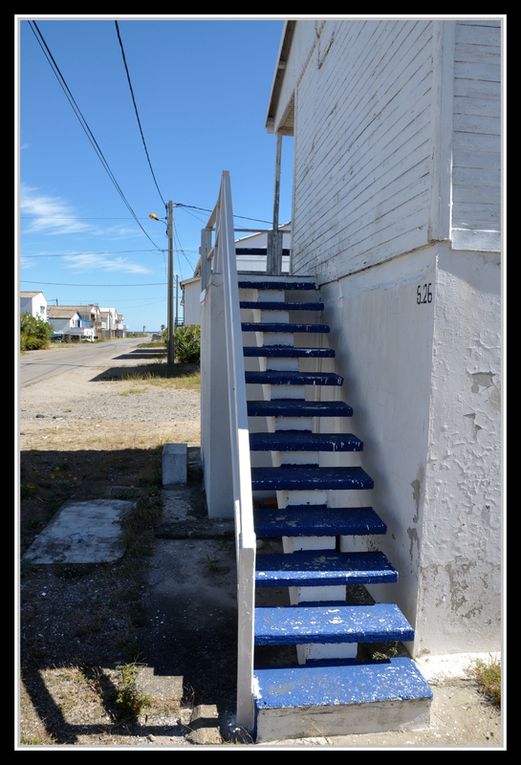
{"x":388,"y":653}
{"x":487,"y":675}
{"x":130,"y":701}
{"x":31,"y":741}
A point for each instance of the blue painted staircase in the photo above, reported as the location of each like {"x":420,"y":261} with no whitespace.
{"x":332,"y":690}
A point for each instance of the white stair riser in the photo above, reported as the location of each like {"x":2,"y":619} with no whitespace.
{"x":281,"y":364}
{"x":286,"y":498}
{"x":292,"y":544}
{"x":281,"y":317}
{"x":294,"y":423}
{"x":286,"y":391}
{"x":314,"y":651}
{"x":269,"y":296}
{"x":275,"y":338}
{"x":338,"y":720}
{"x":310,"y":594}
{"x":296,"y":458}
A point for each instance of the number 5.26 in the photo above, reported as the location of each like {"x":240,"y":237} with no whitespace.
{"x":423,"y":293}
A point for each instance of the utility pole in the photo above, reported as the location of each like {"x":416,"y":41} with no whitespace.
{"x":177,"y":300}
{"x":170,"y":281}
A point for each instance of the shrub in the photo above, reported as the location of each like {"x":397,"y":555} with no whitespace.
{"x":34,"y":333}
{"x":187,"y":342}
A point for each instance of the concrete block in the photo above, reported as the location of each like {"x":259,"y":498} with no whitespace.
{"x":174,"y":464}
{"x":204,"y":724}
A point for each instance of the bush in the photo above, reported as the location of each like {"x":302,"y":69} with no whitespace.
{"x":34,"y":333}
{"x":187,"y":342}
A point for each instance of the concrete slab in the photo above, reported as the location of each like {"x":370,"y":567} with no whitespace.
{"x":175,"y":464}
{"x":204,"y":725}
{"x":82,"y":532}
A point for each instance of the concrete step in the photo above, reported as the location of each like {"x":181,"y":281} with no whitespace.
{"x":288,"y":351}
{"x":280,"y":326}
{"x":279,"y":377}
{"x":304,"y":441}
{"x":296,"y":625}
{"x":338,"y":698}
{"x":314,"y":568}
{"x":305,"y":477}
{"x":318,"y":520}
{"x":296,"y":407}
{"x":273,"y":284}
{"x":281,"y":305}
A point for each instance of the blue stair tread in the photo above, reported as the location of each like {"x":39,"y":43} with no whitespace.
{"x":321,"y":567}
{"x":294,"y":625}
{"x":317,"y":520}
{"x":281,"y":305}
{"x":289,"y":351}
{"x":275,"y":285}
{"x":281,"y":326}
{"x":300,"y":477}
{"x":276,"y":377}
{"x":304,"y":441}
{"x":350,"y":683}
{"x":296,"y":407}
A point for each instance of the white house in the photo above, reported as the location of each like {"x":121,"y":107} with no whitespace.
{"x":34,"y":303}
{"x":359,"y":425}
{"x":109,"y":321}
{"x":251,"y":258}
{"x":68,"y":323}
{"x":396,"y":213}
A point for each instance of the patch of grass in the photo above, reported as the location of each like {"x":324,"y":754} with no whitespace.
{"x":131,"y":391}
{"x":487,"y":675}
{"x":153,"y":344}
{"x":158,"y":373}
{"x":139,"y":523}
{"x":129,"y":701}
{"x":31,"y":741}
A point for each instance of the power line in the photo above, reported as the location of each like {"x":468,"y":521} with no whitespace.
{"x":206,"y":209}
{"x":137,"y":112}
{"x":83,"y":122}
{"x":75,"y":284}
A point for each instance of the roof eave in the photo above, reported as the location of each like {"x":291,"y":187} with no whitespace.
{"x":278,"y":77}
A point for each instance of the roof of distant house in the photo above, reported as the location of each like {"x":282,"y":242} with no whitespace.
{"x":30,"y":294}
{"x":61,"y":311}
{"x":85,"y":309}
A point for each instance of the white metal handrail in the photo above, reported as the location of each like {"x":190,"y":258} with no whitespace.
{"x":219,"y":255}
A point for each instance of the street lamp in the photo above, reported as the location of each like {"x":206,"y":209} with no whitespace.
{"x":170,"y":279}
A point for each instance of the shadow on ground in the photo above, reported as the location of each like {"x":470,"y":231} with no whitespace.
{"x":167,"y":604}
{"x":144,"y":371}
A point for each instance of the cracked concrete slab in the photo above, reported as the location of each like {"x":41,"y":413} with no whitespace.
{"x":82,"y":532}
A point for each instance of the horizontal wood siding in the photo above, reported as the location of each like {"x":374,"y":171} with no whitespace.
{"x":476,"y":178}
{"x":363,"y":145}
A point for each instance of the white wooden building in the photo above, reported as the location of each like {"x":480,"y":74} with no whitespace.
{"x":397,"y":215}
{"x":34,"y":303}
{"x":68,"y":324}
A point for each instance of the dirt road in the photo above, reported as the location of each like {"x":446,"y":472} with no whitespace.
{"x":36,"y":366}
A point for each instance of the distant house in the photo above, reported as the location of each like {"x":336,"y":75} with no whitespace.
{"x":251,"y":258}
{"x":34,"y":303}
{"x":121,"y":327}
{"x":68,"y":324}
{"x":109,"y":321}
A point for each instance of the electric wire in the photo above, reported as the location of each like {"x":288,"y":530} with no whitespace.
{"x":137,"y":112}
{"x":83,"y":122}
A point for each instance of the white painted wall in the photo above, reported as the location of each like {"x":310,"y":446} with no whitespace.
{"x":396,"y":182}
{"x":363,"y":143}
{"x":476,"y":213}
{"x":36,"y":305}
{"x":59,"y":324}
{"x":191,"y":306}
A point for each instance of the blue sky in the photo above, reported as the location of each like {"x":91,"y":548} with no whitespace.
{"x":202,"y":90}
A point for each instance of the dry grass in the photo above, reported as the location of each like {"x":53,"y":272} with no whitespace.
{"x":487,"y":675}
{"x":158,"y":373}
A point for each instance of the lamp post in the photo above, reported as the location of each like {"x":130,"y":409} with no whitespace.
{"x":170,"y":278}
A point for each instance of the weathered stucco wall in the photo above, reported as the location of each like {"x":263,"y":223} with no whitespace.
{"x":459,"y":579}
{"x":383,"y":339}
